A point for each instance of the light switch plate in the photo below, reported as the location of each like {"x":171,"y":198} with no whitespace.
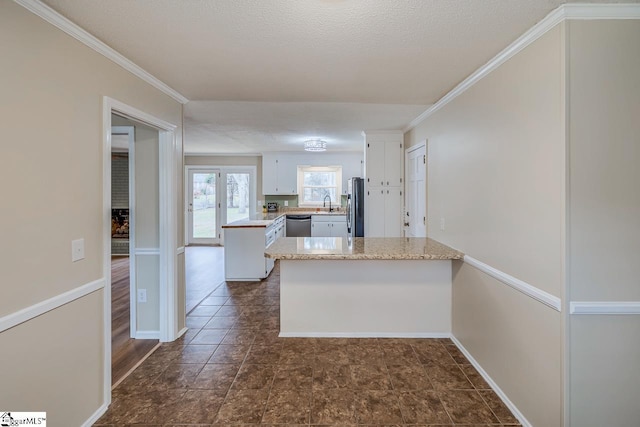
{"x":286,"y":203}
{"x":142,"y":295}
{"x":442,"y":223}
{"x":77,"y":250}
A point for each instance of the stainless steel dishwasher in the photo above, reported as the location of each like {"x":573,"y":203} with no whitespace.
{"x":298,"y":225}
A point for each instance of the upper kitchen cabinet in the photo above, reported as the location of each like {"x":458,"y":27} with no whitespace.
{"x":280,"y":170}
{"x":383,"y":159}
{"x":279,"y":174}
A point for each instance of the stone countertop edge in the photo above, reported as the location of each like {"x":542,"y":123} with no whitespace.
{"x":363,"y":248}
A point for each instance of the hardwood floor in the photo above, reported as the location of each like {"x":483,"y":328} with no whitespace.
{"x":204,"y":271}
{"x":125,"y":351}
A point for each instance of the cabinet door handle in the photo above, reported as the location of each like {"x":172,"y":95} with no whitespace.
{"x":387,"y":182}
{"x":381,"y":182}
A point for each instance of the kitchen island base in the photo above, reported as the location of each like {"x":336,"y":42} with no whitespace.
{"x":365,"y":298}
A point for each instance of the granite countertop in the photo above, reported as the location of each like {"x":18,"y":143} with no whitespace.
{"x":360,"y":248}
{"x":266,"y":219}
{"x":255,"y":220}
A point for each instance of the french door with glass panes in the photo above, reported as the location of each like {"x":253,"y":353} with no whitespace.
{"x":218,"y":196}
{"x":204,"y":206}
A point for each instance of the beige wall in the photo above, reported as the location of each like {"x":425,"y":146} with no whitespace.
{"x":496,"y":176}
{"x":230,"y":161}
{"x":51,"y":174}
{"x":604,"y":222}
{"x":516,"y":339}
{"x":54,"y":363}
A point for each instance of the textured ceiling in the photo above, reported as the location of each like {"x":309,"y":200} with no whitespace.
{"x":341,"y":51}
{"x":254,"y":127}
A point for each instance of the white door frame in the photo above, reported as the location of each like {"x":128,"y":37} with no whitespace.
{"x":408,"y":151}
{"x":133,"y":315}
{"x":168,"y":157}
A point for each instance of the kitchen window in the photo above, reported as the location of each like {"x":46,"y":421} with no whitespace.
{"x":316,"y":182}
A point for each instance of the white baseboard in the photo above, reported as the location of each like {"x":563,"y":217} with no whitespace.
{"x":96,"y":415}
{"x":494,"y":386}
{"x":148,"y":335}
{"x":35,"y":310}
{"x":364,"y":335}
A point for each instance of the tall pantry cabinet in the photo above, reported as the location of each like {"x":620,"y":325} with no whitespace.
{"x":383,"y":160}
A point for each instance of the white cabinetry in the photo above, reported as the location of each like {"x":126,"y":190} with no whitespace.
{"x":328,"y":226}
{"x":383,"y":184}
{"x":279,"y":174}
{"x":280,"y":227}
{"x":244,"y":250}
{"x":280,"y":170}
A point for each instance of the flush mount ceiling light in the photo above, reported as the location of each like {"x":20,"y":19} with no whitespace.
{"x":315,"y":145}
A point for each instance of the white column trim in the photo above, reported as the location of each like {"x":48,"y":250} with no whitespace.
{"x":562,"y":13}
{"x":604,"y":307}
{"x":35,"y":310}
{"x":168,"y":237}
{"x":62,"y":23}
{"x":503,"y":396}
{"x":517,"y":284}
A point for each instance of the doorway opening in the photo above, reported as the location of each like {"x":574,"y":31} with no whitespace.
{"x":152,"y":244}
{"x":126,"y":350}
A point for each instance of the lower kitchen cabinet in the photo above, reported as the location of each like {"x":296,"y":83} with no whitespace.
{"x":244,"y":252}
{"x":328,"y":226}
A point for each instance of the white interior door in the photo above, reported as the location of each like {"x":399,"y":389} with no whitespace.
{"x":416,"y":194}
{"x":204,"y":205}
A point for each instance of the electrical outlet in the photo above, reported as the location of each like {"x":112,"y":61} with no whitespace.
{"x":442,"y":223}
{"x":77,"y":250}
{"x":142,"y":295}
{"x":286,"y":203}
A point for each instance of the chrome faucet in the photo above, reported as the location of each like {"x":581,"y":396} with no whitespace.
{"x":324,"y":202}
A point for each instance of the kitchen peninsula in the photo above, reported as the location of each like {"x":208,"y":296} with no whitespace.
{"x":245,"y":240}
{"x":364,"y":287}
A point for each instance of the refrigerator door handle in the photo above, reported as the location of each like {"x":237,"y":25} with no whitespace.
{"x":349,"y":214}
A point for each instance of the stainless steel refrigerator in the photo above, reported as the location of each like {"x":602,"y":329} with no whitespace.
{"x":355,"y":207}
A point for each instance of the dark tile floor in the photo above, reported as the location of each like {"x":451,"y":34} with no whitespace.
{"x":231,"y":369}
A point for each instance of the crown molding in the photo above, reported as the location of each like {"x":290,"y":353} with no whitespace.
{"x":54,"y":18}
{"x":576,"y":11}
